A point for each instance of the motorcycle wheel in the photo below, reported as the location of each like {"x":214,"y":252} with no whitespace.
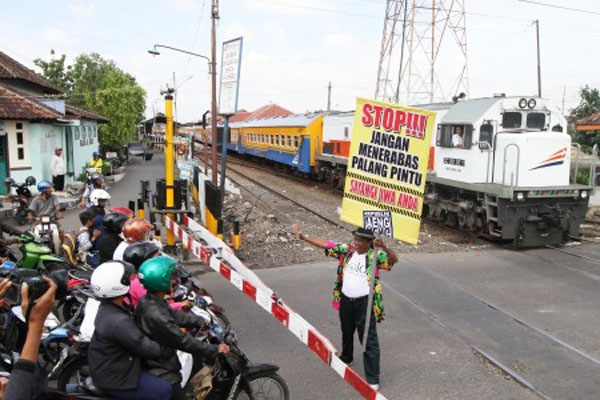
{"x":74,"y":373}
{"x":69,"y":308}
{"x":222,"y":320}
{"x":266,"y":387}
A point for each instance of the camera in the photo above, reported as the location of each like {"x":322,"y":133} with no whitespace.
{"x":36,"y":284}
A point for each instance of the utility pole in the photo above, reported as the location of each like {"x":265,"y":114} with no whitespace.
{"x":329,"y":97}
{"x":169,"y":162}
{"x":213,"y":38}
{"x":539,"y":68}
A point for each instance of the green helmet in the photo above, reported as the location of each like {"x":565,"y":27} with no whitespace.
{"x":155,"y":273}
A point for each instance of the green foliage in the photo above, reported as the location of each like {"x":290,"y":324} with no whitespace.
{"x":56,"y":72}
{"x":98,"y":85}
{"x":589,"y":104}
{"x":583,"y":177}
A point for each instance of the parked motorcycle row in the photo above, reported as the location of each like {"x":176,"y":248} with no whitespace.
{"x":63,"y":353}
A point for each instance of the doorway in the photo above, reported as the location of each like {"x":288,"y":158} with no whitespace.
{"x":3,"y":163}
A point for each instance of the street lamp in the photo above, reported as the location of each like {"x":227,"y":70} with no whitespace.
{"x":155,"y":52}
{"x":212,"y":70}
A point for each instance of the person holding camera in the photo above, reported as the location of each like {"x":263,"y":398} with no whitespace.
{"x":28,"y":380}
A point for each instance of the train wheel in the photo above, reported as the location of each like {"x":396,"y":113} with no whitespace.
{"x":519,"y":236}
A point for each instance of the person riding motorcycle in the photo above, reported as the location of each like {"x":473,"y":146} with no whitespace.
{"x":118,"y":346}
{"x":135,"y":230}
{"x":136,"y":254}
{"x":45,"y":203}
{"x":99,"y":199}
{"x":96,"y":181}
{"x":97,"y":162}
{"x":110,"y":240}
{"x":162,"y":324}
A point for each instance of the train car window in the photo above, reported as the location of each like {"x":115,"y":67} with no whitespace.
{"x":346,"y":132}
{"x":296,"y":141}
{"x":444,"y":136}
{"x":536,"y":120}
{"x":486,"y":133}
{"x":289,"y":141}
{"x":282,"y":140}
{"x":277,"y":140}
{"x":511,"y":120}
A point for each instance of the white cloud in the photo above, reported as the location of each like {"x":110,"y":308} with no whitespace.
{"x":57,"y":37}
{"x":81,"y":9}
{"x":184,"y":4}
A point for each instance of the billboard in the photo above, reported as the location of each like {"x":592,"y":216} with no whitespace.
{"x":231,"y":61}
{"x":387,"y":167}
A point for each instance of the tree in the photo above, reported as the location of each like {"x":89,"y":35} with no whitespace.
{"x":98,"y":85}
{"x":56,"y":72}
{"x":589,"y":104}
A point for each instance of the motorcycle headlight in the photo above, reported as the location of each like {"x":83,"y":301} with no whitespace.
{"x":520,"y":196}
{"x":45,"y":220}
{"x":584,"y":194}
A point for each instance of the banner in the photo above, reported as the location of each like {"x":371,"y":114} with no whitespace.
{"x":231,"y":61}
{"x":387,"y":167}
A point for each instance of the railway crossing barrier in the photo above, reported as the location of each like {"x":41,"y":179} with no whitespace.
{"x":222,"y":259}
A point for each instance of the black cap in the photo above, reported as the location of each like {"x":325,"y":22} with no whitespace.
{"x":364,"y":233}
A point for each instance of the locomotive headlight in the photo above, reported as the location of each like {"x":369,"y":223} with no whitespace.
{"x":584,"y":194}
{"x":520,"y":196}
{"x":523,"y":103}
{"x":531,"y":103}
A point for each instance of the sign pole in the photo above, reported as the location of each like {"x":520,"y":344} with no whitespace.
{"x":365,"y":335}
{"x":224,"y":142}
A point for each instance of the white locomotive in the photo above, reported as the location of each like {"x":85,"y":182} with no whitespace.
{"x":499,"y":167}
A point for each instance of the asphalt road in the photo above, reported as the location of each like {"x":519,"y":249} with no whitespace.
{"x":127,"y":188}
{"x":534,"y":312}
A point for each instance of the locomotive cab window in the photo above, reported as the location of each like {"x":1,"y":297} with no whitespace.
{"x":486,"y":133}
{"x":511,"y":120}
{"x":457,"y":136}
{"x":536,"y":120}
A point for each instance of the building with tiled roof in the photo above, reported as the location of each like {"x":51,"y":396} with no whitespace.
{"x":33,"y":123}
{"x":588,"y":124}
{"x":13,"y":73}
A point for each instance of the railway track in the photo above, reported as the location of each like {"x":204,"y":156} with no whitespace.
{"x":514,"y":326}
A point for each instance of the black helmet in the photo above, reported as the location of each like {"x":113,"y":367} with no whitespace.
{"x":139,"y":252}
{"x":8,"y":181}
{"x":113,"y":222}
{"x":30,"y":180}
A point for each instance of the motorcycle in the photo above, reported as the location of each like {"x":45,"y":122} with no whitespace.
{"x":234,"y":376}
{"x":49,"y":233}
{"x":22,"y":198}
{"x":35,"y":254}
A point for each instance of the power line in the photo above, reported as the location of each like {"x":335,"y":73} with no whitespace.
{"x":580,"y":10}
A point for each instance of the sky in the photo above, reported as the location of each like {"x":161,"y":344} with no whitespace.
{"x":294,"y":48}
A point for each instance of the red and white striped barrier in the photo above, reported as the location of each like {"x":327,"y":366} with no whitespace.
{"x":240,"y":276}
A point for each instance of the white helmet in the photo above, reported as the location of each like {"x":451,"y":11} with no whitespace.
{"x":111,"y":279}
{"x":99,"y":194}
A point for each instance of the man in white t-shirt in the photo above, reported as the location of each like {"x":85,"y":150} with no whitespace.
{"x":351,"y":292}
{"x":57,"y":167}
